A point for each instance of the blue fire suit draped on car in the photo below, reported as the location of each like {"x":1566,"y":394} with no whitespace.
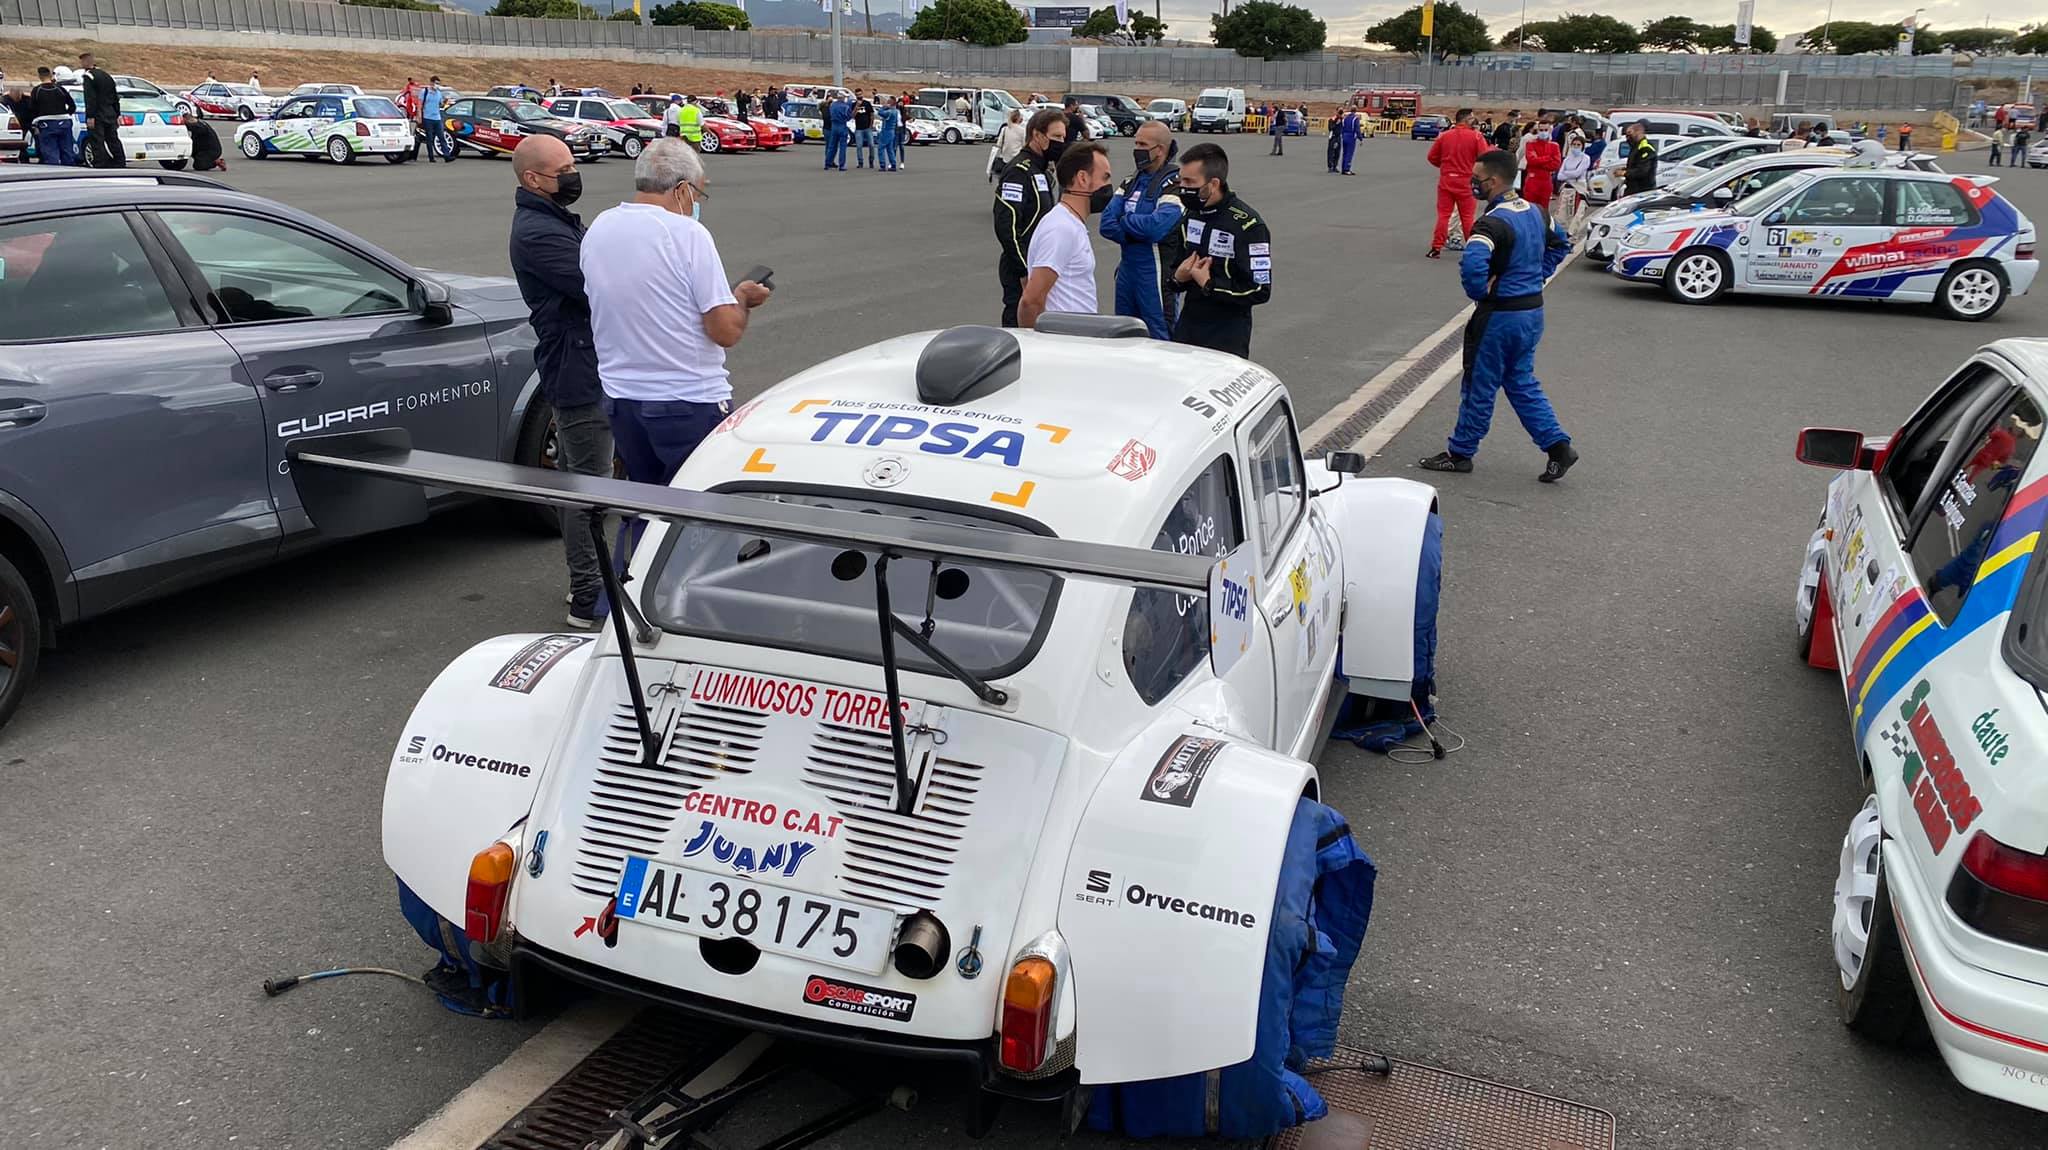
{"x":1513,"y":250}
{"x":1144,"y":220}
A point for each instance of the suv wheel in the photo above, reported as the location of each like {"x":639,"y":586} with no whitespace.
{"x":21,"y":638}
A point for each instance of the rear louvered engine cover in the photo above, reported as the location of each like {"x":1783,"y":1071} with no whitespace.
{"x":752,"y":769}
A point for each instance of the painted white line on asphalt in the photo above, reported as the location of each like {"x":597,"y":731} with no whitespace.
{"x":507,"y":1088}
{"x":1349,"y":405}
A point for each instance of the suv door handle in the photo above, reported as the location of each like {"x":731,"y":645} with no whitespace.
{"x":20,"y":412}
{"x":292,"y":380}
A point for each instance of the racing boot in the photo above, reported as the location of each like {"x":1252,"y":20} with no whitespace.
{"x":1446,"y":461}
{"x":1562,"y":456}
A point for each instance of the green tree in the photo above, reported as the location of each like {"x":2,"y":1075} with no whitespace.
{"x":1721,"y":38}
{"x":1674,"y":33}
{"x":1268,"y":30}
{"x":989,"y":23}
{"x":1458,"y":32}
{"x":1581,"y":33}
{"x":1979,"y":40}
{"x":701,"y":14}
{"x":544,"y":9}
{"x":1853,"y":38}
{"x":406,"y":5}
{"x":1100,"y":23}
{"x":1147,"y":29}
{"x":623,"y":15}
{"x":2032,"y":40}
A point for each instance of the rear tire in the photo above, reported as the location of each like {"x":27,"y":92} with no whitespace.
{"x":21,"y":638}
{"x":1876,"y":998}
{"x":537,"y":449}
{"x":339,"y":151}
{"x":397,"y":157}
{"x":173,"y":165}
{"x":1697,"y":275}
{"x":1972,"y":291}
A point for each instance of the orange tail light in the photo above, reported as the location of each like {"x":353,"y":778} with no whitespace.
{"x":490,"y":882}
{"x":1028,"y":999}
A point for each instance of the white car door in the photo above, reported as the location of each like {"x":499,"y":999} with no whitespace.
{"x":291,"y":130}
{"x":1812,"y":236}
{"x":1295,"y":594}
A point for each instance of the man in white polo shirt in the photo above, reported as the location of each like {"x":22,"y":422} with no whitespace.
{"x":661,"y":314}
{"x":1062,"y":260}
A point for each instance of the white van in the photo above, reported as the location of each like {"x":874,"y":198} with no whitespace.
{"x":1220,"y":110}
{"x":1667,"y":123}
{"x":989,"y":107}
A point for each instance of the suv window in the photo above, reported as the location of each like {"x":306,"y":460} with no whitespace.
{"x":261,"y":271}
{"x":1926,"y":203}
{"x":1166,"y":635}
{"x":1839,"y":201}
{"x":1955,"y":538}
{"x":78,"y":277}
{"x":1278,"y":491}
{"x":1913,"y":458}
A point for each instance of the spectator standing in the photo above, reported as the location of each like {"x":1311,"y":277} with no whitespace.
{"x":1275,"y":127}
{"x":1998,"y":140}
{"x":1512,"y":251}
{"x":742,"y":104}
{"x":1504,"y":134}
{"x":1640,"y":174}
{"x":102,"y":116}
{"x":547,"y":246}
{"x":205,"y":145}
{"x":1228,"y":266}
{"x":50,"y":109}
{"x":1453,"y":153}
{"x":690,"y":121}
{"x":2018,"y":152}
{"x":432,"y":99}
{"x":1062,"y":259}
{"x":863,"y":132}
{"x":662,"y":315}
{"x":902,"y":132}
{"x":960,"y":108}
{"x":1077,"y":124}
{"x":837,"y":116}
{"x":1023,"y":195}
{"x":1144,"y":220}
{"x":1905,"y":137}
{"x":1335,"y":124}
{"x":1541,"y":160}
{"x":671,"y":117}
{"x":256,"y":80}
{"x":890,"y":147}
{"x":1009,"y":140}
{"x":1351,"y":130}
{"x":771,"y":104}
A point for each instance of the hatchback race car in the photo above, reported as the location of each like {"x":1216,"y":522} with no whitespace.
{"x":1695,"y":160}
{"x":1863,"y":233}
{"x":625,"y":125}
{"x":1924,"y":584}
{"x":769,"y":135}
{"x":337,"y":127}
{"x":929,"y":124}
{"x":232,"y":101}
{"x":151,"y":128}
{"x":966,"y":689}
{"x":806,"y":122}
{"x":493,"y":127}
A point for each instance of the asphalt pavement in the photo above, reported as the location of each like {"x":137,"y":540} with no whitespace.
{"x":1617,"y":892}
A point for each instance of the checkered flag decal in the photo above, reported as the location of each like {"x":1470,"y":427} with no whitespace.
{"x":1896,"y":738}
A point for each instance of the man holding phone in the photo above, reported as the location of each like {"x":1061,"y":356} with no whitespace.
{"x":662,"y":313}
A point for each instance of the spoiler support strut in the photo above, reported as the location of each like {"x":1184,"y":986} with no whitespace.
{"x":906,"y":789}
{"x":615,"y":590}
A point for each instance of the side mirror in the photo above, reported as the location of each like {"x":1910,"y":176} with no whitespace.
{"x":429,"y":301}
{"x":1724,"y":193}
{"x":1830,"y":447}
{"x":1345,"y":462}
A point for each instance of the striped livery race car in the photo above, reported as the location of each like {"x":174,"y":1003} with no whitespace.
{"x":1863,"y":233}
{"x":492,"y":127}
{"x":337,"y":127}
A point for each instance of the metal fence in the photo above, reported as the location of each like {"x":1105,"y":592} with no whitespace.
{"x":1533,"y":78}
{"x":1935,"y":66}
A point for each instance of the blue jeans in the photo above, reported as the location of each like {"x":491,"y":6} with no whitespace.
{"x":1500,"y":355}
{"x":863,"y":147}
{"x":655,"y":436}
{"x":57,"y":142}
{"x":437,"y":140}
{"x":835,"y":147}
{"x":886,"y":156}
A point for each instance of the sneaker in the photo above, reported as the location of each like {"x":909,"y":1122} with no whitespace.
{"x":1455,"y":243}
{"x":581,"y":621}
{"x":1561,"y":459}
{"x":1434,"y":254}
{"x":1445,"y":461}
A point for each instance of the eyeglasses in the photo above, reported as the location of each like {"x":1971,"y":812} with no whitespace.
{"x":701,"y":192}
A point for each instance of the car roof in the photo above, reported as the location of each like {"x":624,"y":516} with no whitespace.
{"x":15,"y":178}
{"x":1076,"y":405}
{"x":2029,"y":354}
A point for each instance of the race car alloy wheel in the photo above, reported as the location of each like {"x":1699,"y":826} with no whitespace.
{"x":1972,"y":291}
{"x":1697,"y":275}
{"x":21,"y":634}
{"x":251,"y":146}
{"x":952,"y":135}
{"x":339,"y":151}
{"x":631,"y":147}
{"x":245,"y":113}
{"x":708,"y":143}
{"x":1875,"y":998}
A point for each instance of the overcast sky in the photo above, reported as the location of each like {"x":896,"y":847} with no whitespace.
{"x":1348,"y":21}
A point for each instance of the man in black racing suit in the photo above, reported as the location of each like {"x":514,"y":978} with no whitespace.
{"x":1227,"y":265}
{"x":1024,"y":193}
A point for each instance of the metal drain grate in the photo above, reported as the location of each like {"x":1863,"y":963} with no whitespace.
{"x":1422,"y":1108}
{"x":569,"y":1114}
{"x":1342,"y":436}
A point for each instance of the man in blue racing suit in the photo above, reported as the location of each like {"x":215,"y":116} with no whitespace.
{"x":1144,"y":220}
{"x":1513,"y":249}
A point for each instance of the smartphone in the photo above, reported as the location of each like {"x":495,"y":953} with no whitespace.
{"x":761,"y":274}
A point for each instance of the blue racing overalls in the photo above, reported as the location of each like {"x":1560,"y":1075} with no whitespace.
{"x":1144,"y":220}
{"x":1511,"y":252}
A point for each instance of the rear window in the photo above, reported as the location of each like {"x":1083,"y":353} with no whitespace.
{"x":377,"y":108}
{"x":733,"y":585}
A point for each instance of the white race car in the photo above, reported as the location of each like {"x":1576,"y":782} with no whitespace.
{"x":151,"y":127}
{"x":929,"y":124}
{"x":337,"y":127}
{"x":1610,"y":175}
{"x":232,"y":101}
{"x":1717,"y":153}
{"x":1852,"y":233}
{"x":1921,"y":584}
{"x":1108,"y":624}
{"x":2037,"y":154}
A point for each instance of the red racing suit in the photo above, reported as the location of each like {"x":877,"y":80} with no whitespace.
{"x":1453,"y":154}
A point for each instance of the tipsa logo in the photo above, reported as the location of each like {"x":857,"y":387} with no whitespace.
{"x":966,"y":440}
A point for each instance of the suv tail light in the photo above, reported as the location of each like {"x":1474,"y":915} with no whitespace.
{"x":490,"y":881}
{"x":362,"y":129}
{"x":1028,"y":999}
{"x":2002,"y":891}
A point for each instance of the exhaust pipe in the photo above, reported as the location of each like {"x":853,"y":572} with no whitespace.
{"x":923,"y":947}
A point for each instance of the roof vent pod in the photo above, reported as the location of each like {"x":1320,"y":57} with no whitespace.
{"x":963,"y":364}
{"x":1092,"y":326}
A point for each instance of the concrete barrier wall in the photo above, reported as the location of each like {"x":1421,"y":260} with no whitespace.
{"x":1590,"y":81}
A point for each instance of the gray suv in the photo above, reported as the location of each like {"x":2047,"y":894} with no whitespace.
{"x":163,"y":337}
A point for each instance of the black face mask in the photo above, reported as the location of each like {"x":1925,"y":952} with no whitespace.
{"x":1099,"y":199}
{"x":568,"y":188}
{"x":1478,"y":190}
{"x":1053,"y":148}
{"x":1143,"y":156}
